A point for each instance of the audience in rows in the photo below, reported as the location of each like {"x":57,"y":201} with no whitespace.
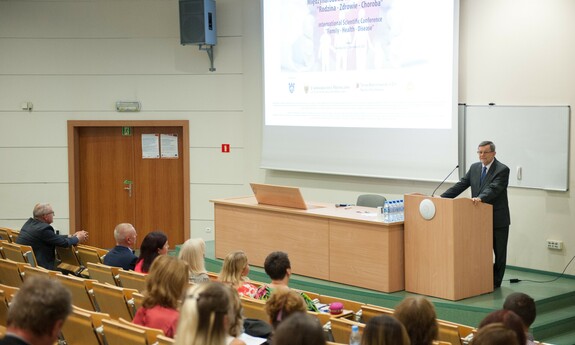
{"x":193,"y":251}
{"x":210,"y":313}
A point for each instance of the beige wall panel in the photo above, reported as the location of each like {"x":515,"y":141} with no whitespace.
{"x":83,"y":19}
{"x":24,"y":129}
{"x":209,"y":129}
{"x":42,"y":129}
{"x":143,"y":56}
{"x":100,"y":93}
{"x":34,"y":165}
{"x":123,"y":18}
{"x":211,"y":166}
{"x":198,"y":229}
{"x":517,"y":53}
{"x":200,"y":195}
{"x":18,"y":200}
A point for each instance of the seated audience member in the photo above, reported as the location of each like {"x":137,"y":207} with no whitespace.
{"x":235,"y":318}
{"x":278,"y":267}
{"x":37,"y":312}
{"x":204,"y":315}
{"x":41,"y":236}
{"x":418,"y":317}
{"x":155,"y":243}
{"x":524,"y":306}
{"x":234,"y":272}
{"x":299,"y":329}
{"x":282,"y":303}
{"x":165,"y":285}
{"x":122,"y":255}
{"x":495,"y":334}
{"x":193,"y":252}
{"x":384,"y":330}
{"x":508,"y":319}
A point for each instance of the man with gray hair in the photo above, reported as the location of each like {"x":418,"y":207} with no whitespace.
{"x":41,"y":236}
{"x":37,"y":312}
{"x":122,"y":255}
{"x":488,"y":180}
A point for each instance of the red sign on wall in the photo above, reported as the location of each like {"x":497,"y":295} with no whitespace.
{"x":226,"y":148}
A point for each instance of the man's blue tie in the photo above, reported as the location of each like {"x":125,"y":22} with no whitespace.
{"x":483,"y":173}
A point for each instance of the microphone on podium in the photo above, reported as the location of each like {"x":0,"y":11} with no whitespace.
{"x":446,"y":177}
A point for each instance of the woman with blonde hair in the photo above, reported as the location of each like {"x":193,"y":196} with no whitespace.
{"x":193,"y":252}
{"x":204,"y":315}
{"x":165,"y":284}
{"x":234,"y":272}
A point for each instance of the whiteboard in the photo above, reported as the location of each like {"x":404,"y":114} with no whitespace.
{"x":533,"y":141}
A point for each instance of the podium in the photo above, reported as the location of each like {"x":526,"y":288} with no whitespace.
{"x":449,"y":256}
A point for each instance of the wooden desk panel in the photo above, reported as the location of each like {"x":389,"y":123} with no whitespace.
{"x":347,"y":245}
{"x":259,"y":232}
{"x":367,"y":255}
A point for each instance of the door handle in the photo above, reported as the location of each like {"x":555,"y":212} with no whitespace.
{"x":128,"y":186}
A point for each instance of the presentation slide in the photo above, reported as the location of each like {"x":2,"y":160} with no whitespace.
{"x":388,"y":65}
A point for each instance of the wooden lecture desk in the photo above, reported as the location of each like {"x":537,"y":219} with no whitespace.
{"x":349,"y":245}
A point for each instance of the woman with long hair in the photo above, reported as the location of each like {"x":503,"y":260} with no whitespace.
{"x":193,"y":252}
{"x":165,"y":284}
{"x":155,"y":243}
{"x":384,"y":330}
{"x":418,"y":317}
{"x":204,"y":315}
{"x":234,"y":272}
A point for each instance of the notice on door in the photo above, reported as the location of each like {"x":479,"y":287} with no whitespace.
{"x":169,"y":145}
{"x":150,"y":146}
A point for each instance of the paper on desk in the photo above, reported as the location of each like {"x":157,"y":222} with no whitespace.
{"x":249,"y":340}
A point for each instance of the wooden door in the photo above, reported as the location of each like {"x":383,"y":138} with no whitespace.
{"x":111,"y":182}
{"x":106,"y":161}
{"x":158,"y":187}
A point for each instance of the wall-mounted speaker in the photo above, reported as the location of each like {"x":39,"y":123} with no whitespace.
{"x":198,"y":22}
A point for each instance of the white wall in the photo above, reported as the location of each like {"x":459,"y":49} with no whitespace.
{"x":74,"y":60}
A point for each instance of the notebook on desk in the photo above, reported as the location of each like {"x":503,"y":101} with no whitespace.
{"x":284,"y":196}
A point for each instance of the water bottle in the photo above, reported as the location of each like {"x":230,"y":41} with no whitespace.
{"x":400,"y":211}
{"x":354,"y":338}
{"x":386,"y":212}
{"x":393,"y":211}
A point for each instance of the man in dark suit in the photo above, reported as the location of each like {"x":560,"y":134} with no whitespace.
{"x":122,"y":255}
{"x":37,"y":312}
{"x":41,"y":236}
{"x":488,"y":180}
